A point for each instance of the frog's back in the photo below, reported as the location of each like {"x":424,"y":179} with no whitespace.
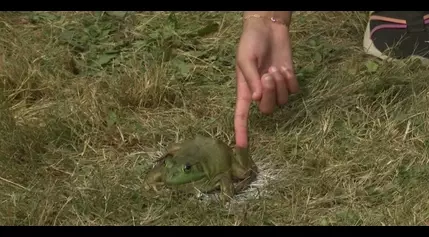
{"x":206,"y":149}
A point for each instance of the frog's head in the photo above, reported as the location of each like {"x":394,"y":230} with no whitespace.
{"x":179,"y":172}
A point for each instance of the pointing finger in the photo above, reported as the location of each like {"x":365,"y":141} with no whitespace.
{"x":242,"y":107}
{"x":249,"y":69}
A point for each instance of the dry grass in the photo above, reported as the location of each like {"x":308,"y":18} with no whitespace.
{"x":89,"y":100}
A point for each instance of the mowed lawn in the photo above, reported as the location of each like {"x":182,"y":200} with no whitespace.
{"x":89,"y":100}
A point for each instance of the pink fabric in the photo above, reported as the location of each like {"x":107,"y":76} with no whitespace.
{"x":391,"y":26}
{"x":388,"y":26}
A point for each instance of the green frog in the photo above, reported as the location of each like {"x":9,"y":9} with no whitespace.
{"x":206,"y":164}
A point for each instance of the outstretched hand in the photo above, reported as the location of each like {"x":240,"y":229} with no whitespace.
{"x":264,"y":72}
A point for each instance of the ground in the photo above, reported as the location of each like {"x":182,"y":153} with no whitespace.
{"x":90,"y":99}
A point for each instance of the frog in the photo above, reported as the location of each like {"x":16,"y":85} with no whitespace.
{"x":206,"y":164}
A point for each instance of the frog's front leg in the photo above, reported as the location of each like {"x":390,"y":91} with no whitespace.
{"x":226,"y":187}
{"x":224,"y":182}
{"x":153,"y":186}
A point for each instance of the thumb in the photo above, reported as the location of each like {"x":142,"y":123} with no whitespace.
{"x":249,"y":69}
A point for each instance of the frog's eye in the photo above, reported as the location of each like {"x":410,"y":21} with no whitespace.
{"x":187,"y":167}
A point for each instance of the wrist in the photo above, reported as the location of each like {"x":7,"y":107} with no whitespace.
{"x":272,"y":17}
{"x":262,"y":21}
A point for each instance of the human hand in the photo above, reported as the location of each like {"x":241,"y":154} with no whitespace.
{"x":264,"y":71}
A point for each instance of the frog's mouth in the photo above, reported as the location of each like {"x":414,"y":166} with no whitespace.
{"x":181,"y":178}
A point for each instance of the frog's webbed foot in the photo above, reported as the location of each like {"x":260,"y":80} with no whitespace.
{"x":243,"y":168}
{"x":224,"y":183}
{"x":244,"y":183}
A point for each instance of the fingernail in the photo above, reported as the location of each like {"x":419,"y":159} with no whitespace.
{"x":255,"y":96}
{"x":273,"y":69}
{"x":267,"y":78}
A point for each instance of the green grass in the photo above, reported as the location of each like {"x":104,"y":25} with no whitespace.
{"x":89,"y":101}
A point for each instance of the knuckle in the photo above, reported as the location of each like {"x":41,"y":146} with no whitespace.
{"x":269,"y":84}
{"x":241,"y":116}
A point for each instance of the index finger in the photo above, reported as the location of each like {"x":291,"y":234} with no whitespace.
{"x":249,"y":73}
{"x":241,"y":116}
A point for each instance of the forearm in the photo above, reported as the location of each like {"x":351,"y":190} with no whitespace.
{"x":283,"y":16}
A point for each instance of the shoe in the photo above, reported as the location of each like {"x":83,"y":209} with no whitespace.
{"x":396,"y":35}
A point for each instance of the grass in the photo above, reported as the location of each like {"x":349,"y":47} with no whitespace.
{"x":89,"y":101}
